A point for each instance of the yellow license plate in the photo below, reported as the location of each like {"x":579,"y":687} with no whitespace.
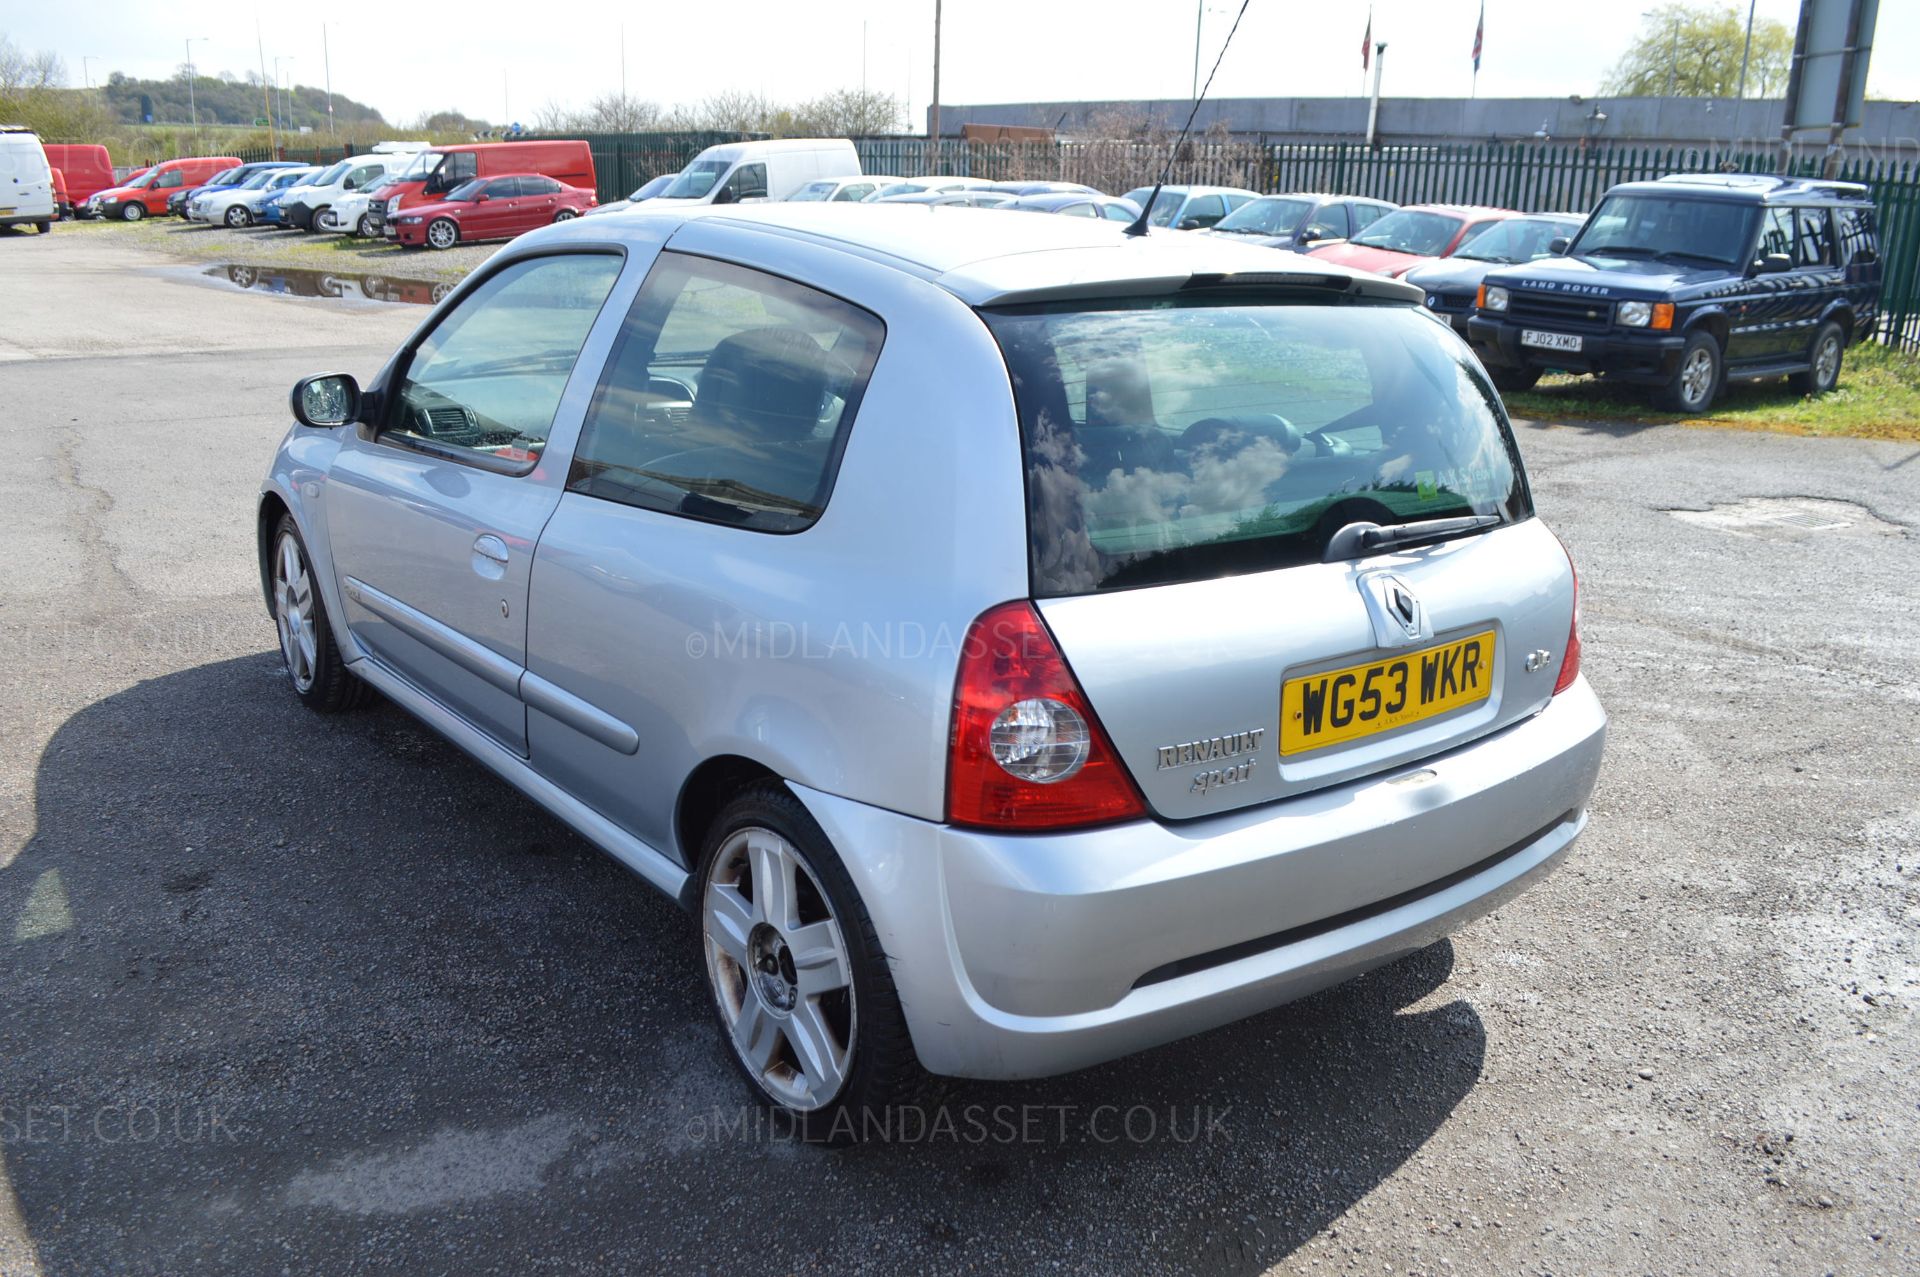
{"x":1335,"y":706}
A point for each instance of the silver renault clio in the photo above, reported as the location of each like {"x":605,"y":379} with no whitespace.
{"x":1019,"y":644}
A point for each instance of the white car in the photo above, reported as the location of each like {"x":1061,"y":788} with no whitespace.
{"x":302,"y":209}
{"x":348,"y":214}
{"x":237,"y":206}
{"x":935,"y":185}
{"x":841,"y":190}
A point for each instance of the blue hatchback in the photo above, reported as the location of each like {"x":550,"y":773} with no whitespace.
{"x":226,"y":179}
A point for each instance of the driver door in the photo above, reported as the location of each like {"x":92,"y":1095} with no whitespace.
{"x":433,"y":511}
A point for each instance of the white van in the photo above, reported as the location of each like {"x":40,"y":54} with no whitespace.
{"x":307,"y":206}
{"x":735,"y":171}
{"x":26,"y":181}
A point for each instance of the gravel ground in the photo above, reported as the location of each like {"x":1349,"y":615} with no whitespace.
{"x":304,"y":995}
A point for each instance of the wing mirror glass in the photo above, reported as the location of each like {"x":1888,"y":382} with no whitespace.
{"x":1773,"y":264}
{"x":328,"y":400}
{"x":1558,"y":245}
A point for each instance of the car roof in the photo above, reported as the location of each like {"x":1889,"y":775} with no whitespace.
{"x":1060,"y":199}
{"x":986,"y":258}
{"x":1752,"y":188}
{"x":1171,"y":189}
{"x":1463,"y":210}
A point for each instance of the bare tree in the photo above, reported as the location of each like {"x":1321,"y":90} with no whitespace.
{"x":554,"y":117}
{"x":734,"y":111}
{"x":24,"y":72}
{"x":617,"y":113}
{"x":847,"y":113}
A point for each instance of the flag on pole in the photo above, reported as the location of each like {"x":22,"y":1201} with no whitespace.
{"x":1366,"y":43}
{"x":1478,"y":33}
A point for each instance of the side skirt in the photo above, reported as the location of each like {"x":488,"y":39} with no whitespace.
{"x":640,"y":857}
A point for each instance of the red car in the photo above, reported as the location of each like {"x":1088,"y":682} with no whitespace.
{"x":490,"y":208}
{"x":1411,"y":236}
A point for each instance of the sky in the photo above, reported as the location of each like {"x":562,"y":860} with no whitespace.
{"x":497,"y":61}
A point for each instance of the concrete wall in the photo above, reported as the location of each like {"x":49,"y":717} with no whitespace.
{"x":1677,"y":121}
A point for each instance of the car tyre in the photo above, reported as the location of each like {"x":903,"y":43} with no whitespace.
{"x":307,"y":651}
{"x":1696,"y":383}
{"x":1512,"y":380}
{"x":442,"y":232}
{"x":238,"y":216}
{"x":565,"y":215}
{"x":132,"y":212}
{"x":313,"y":224}
{"x":801,"y":988}
{"x":364,"y":227}
{"x":1823,"y":373}
{"x":44,"y":226}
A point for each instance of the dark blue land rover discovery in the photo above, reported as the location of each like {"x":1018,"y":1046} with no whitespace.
{"x":1688,"y":281}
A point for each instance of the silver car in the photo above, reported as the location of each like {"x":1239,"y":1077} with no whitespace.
{"x":1018,"y":644}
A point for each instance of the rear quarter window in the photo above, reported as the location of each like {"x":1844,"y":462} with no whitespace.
{"x":1181,"y":441}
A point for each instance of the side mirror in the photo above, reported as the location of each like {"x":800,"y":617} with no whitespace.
{"x":724,"y":195}
{"x":1558,"y":245}
{"x":1191,"y":224}
{"x":482,"y":198}
{"x":328,"y":400}
{"x":1312,"y":235}
{"x":1773,"y":264}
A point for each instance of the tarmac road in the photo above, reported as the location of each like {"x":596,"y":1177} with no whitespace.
{"x":280,"y":993}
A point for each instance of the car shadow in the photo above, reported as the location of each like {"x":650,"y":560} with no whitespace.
{"x":286,"y":989}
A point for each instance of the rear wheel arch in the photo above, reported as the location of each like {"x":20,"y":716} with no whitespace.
{"x":706,"y":792}
{"x":1840,"y":313}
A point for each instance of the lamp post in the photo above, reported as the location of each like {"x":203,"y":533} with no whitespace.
{"x":86,"y":74}
{"x":278,"y":59}
{"x":193,"y":112}
{"x":1746,"y":51}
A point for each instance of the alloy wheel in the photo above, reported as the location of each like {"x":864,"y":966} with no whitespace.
{"x":1696,"y":378}
{"x":442,"y":234}
{"x":293,"y":612}
{"x":780,"y":970}
{"x":1826,"y":363}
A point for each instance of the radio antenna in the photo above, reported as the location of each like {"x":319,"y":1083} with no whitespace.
{"x":1139,"y":226}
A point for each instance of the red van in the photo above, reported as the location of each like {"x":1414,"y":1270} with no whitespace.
{"x":148,"y":193}
{"x":87,"y":169}
{"x":433,"y":173}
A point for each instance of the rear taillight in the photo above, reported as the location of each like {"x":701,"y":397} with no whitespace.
{"x":1026,"y":750}
{"x":1570,"y":659}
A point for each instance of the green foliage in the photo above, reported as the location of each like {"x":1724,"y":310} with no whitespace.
{"x":1696,"y":48}
{"x":226,"y":100}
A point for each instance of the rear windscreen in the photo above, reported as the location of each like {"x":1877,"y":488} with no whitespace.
{"x":1181,"y":440}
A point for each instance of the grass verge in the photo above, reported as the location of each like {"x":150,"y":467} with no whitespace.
{"x":1878,"y":398}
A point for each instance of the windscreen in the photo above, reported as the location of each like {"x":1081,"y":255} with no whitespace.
{"x":1182,"y":440}
{"x":1517,"y":239}
{"x":696,"y":179}
{"x":331,"y":176}
{"x":1408,"y":231}
{"x":1717,"y":231}
{"x":1265,"y":217}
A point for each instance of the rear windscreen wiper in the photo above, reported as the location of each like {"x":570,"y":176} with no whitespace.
{"x":1356,"y":539}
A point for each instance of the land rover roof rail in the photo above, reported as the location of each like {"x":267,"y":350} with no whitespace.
{"x":1770,"y":183}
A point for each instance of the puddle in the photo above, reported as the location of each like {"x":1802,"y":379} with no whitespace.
{"x":294,"y":282}
{"x":1762,"y":516}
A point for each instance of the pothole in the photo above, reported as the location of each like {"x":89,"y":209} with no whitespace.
{"x":1792,"y":517}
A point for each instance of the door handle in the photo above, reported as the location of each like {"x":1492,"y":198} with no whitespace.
{"x":490,"y":556}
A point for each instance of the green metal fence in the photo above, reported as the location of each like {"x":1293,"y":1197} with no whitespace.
{"x":1566,"y":177}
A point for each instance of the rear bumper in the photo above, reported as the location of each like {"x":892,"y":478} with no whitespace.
{"x":1022,"y":956}
{"x":1648,"y":357}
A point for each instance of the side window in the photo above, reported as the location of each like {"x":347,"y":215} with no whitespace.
{"x":1776,"y":233}
{"x":749,"y":181}
{"x":1854,"y":235}
{"x":359,"y":178}
{"x":507,"y":188}
{"x":728,"y":397}
{"x":854,"y":193}
{"x":175,"y":177}
{"x":1078,"y":210}
{"x":1815,"y":246}
{"x":461,"y":166}
{"x":1331,"y":221}
{"x":488,"y":378}
{"x":539,"y":186}
{"x":1365,"y":215}
{"x":1117,"y":213}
